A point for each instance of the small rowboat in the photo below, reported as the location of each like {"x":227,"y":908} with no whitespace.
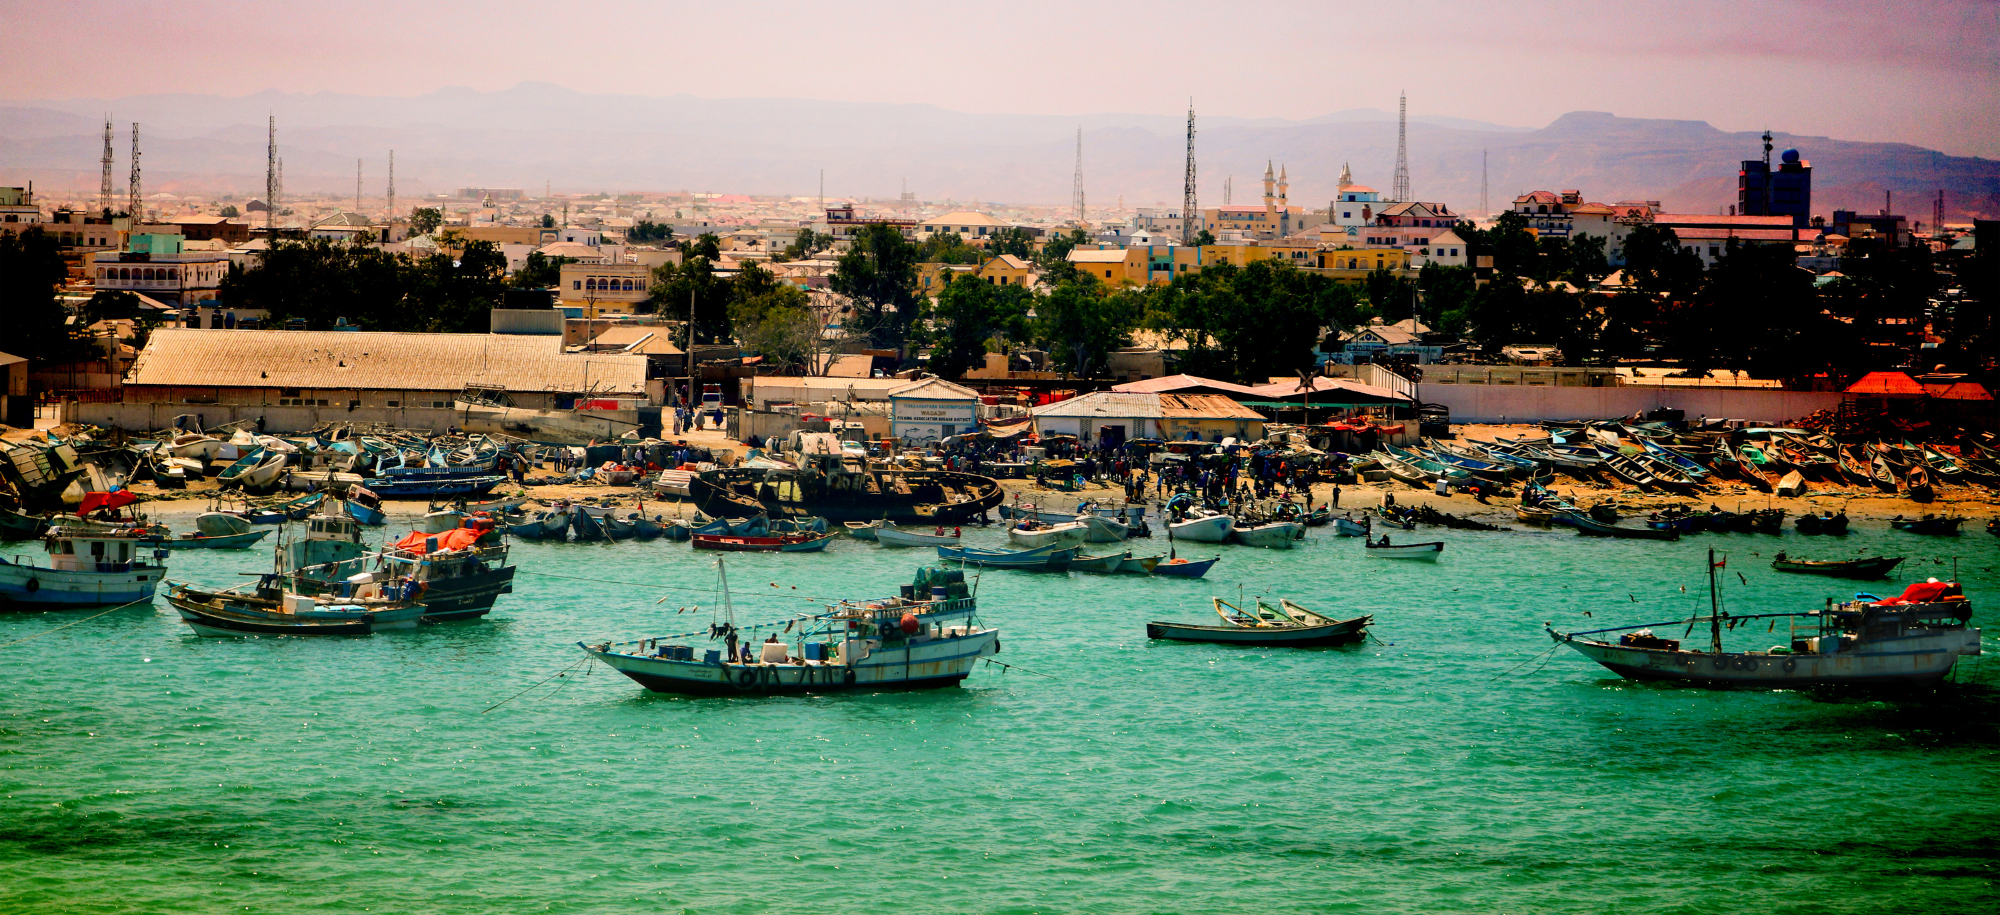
{"x":1213,"y":528}
{"x":1239,"y":628}
{"x":889,"y":536}
{"x":1049,"y":558}
{"x":1348,"y":527}
{"x":1529,"y":514}
{"x":782,"y":543}
{"x":1875,"y":567}
{"x":1278,"y":535}
{"x":862,"y":530}
{"x":1039,"y":533}
{"x":1427,"y":552}
{"x":1918,"y":483}
{"x":1185,"y":568}
{"x":1107,"y":563}
{"x":1143,"y":565}
{"x":1928,"y":524}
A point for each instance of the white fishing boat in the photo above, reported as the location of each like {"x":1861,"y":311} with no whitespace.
{"x":1104,"y":528}
{"x":1206,"y":527}
{"x":862,"y":530}
{"x":1427,"y":552}
{"x":889,"y":536}
{"x":1348,"y":527}
{"x":1277,"y":535}
{"x":929,"y":637}
{"x":265,"y":474}
{"x":86,"y":569}
{"x":221,"y":524}
{"x":1912,"y":639}
{"x":1038,"y":533}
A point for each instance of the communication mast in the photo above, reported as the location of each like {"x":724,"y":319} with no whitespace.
{"x":1401,"y":191}
{"x":1187,"y":191}
{"x":271,"y":177}
{"x":357,"y":187}
{"x":1937,"y":215}
{"x":104,"y":189}
{"x":1078,"y":203}
{"x":1483,"y":211}
{"x":132,"y":195}
{"x":392,"y":188}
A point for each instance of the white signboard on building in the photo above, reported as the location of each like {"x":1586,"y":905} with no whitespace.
{"x":923,"y":421}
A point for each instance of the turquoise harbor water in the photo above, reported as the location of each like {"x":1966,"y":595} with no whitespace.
{"x":144,"y":769}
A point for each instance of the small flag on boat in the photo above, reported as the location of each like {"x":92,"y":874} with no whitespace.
{"x":1722,"y":563}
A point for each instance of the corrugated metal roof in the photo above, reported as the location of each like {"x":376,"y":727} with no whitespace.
{"x":1115,"y":404}
{"x":1204,"y":406}
{"x":1168,"y":383}
{"x":933,"y":389}
{"x":339,"y":360}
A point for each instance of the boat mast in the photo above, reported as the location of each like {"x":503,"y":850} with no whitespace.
{"x":1714,"y":609}
{"x":729,"y":611}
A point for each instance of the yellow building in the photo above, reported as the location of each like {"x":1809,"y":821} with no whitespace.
{"x":1364,"y":259}
{"x":508,"y":235}
{"x":1112,"y":266}
{"x":604,"y":289}
{"x":1007,"y":270}
{"x":932,"y":277}
{"x":1243,"y":255}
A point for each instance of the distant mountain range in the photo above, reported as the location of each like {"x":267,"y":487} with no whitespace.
{"x":537,"y":134}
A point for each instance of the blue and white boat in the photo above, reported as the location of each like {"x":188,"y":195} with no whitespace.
{"x":86,"y":569}
{"x":930,"y":637}
{"x":427,"y":487}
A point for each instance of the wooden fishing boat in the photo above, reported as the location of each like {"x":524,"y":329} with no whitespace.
{"x":1828,"y":523}
{"x":862,"y":530}
{"x":1348,"y":527}
{"x":843,"y":488}
{"x":1103,"y":528}
{"x":781,"y":543}
{"x":1185,"y":568}
{"x":1425,"y":552}
{"x":1917,"y":484}
{"x":1106,"y":563}
{"x":1533,"y":515}
{"x":1318,"y":517}
{"x":1402,"y":472}
{"x":1811,"y":463}
{"x":1049,"y":558}
{"x":224,"y":614}
{"x":1873,"y":567}
{"x":1590,"y":527}
{"x":1941,"y":465}
{"x":1275,"y":535}
{"x":889,"y":536}
{"x":1239,"y":628}
{"x":17,"y":526}
{"x":200,"y":541}
{"x":1881,"y":471}
{"x":1456,"y":476}
{"x":1040,"y":533}
{"x":1928,"y":524}
{"x":1140,"y":564}
{"x":1624,"y":467}
{"x":1853,"y":466}
{"x":1689,"y":466}
{"x":1202,"y":527}
{"x":1668,"y":475}
{"x":1792,"y":485}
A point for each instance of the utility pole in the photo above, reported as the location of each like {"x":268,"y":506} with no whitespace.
{"x":1187,"y":189}
{"x":1401,"y":192}
{"x":1078,"y":203}
{"x":104,"y":188}
{"x":132,"y":193}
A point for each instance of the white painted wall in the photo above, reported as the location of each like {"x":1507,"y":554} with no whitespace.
{"x":1482,"y":403}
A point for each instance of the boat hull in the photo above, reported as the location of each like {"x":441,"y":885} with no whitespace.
{"x":241,"y":541}
{"x":464,"y":597}
{"x":1422,"y":552}
{"x":1278,"y":536}
{"x":1915,"y":661}
{"x":930,"y":664}
{"x":1071,"y":534}
{"x":1214,"y":529}
{"x":1346,"y":528}
{"x":889,"y":536}
{"x":1187,"y":568}
{"x":916,"y":497}
{"x":37,"y":587}
{"x":1341,"y":633}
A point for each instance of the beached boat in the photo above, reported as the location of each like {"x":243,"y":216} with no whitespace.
{"x":845,"y":488}
{"x":1533,"y":515}
{"x":1278,"y":629}
{"x":1872,"y":567}
{"x":930,"y":637}
{"x":1917,"y":484}
{"x":1275,"y":535}
{"x":1383,"y":549}
{"x":1039,"y":533}
{"x":85,"y":569}
{"x":1792,"y":485}
{"x":889,"y":536}
{"x":1913,"y":639}
{"x":1104,"y":528}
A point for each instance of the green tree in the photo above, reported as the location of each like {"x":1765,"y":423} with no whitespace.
{"x":1204,"y":239}
{"x":1513,"y":247}
{"x":806,"y":244}
{"x":1588,"y":262}
{"x":879,"y":273}
{"x":31,"y":272}
{"x":1446,"y":292}
{"x":1390,"y":295}
{"x":425,"y":220}
{"x":948,"y":248}
{"x":1011,"y":240}
{"x":691,"y":292}
{"x":967,"y":314}
{"x":647,"y":230}
{"x":1656,"y":263}
{"x":772,"y":317}
{"x":707,"y":245}
{"x":229,"y":212}
{"x":1054,"y":257}
{"x":1081,"y":324}
{"x":321,"y":281}
{"x":448,"y":295}
{"x":540,"y":272}
{"x":548,"y":221}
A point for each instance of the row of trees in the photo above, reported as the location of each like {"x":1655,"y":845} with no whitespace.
{"x":322,"y":281}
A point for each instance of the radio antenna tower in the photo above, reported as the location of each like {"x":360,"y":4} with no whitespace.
{"x":1401,"y":191}
{"x":392,"y":188}
{"x":1228,"y":189}
{"x":1078,"y":203}
{"x":132,"y":194}
{"x":1187,"y":190}
{"x":271,"y":177}
{"x":1483,"y":211}
{"x":104,"y":189}
{"x":1937,"y":215}
{"x":357,"y":187}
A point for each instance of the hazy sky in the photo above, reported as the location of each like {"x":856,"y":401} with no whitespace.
{"x":1925,"y":73}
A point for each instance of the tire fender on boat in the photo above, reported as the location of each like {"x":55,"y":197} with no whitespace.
{"x":747,"y":677}
{"x":33,"y":585}
{"x":847,"y":677}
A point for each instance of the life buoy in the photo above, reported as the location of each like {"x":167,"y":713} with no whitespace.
{"x":33,"y":585}
{"x":847,"y":677}
{"x":747,"y":677}
{"x":1791,"y":664}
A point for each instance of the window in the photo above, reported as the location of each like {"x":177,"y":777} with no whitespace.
{"x":576,"y":284}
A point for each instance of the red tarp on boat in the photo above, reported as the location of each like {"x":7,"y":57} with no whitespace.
{"x":1920,"y":592}
{"x":93,"y":501}
{"x":454,"y":539}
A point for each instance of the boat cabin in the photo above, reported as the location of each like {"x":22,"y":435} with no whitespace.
{"x":97,"y":552}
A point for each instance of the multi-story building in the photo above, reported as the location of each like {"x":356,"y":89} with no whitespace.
{"x":1277,"y":218}
{"x":1785,"y":192}
{"x":17,"y":205}
{"x":590,"y":290}
{"x":82,"y":232}
{"x":1886,"y":225}
{"x":165,"y":267}
{"x":843,"y":223}
{"x":1548,"y":212}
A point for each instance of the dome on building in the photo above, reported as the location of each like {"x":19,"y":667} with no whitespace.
{"x":1789,"y":156}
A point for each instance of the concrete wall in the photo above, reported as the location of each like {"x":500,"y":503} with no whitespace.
{"x":147,"y":417}
{"x":1480,"y":403}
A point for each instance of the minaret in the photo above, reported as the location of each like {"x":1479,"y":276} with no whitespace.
{"x":1283,"y":184}
{"x":1346,"y":176}
{"x":1270,"y":198}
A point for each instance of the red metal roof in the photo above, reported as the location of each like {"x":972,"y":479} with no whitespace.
{"x":1886,"y":383}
